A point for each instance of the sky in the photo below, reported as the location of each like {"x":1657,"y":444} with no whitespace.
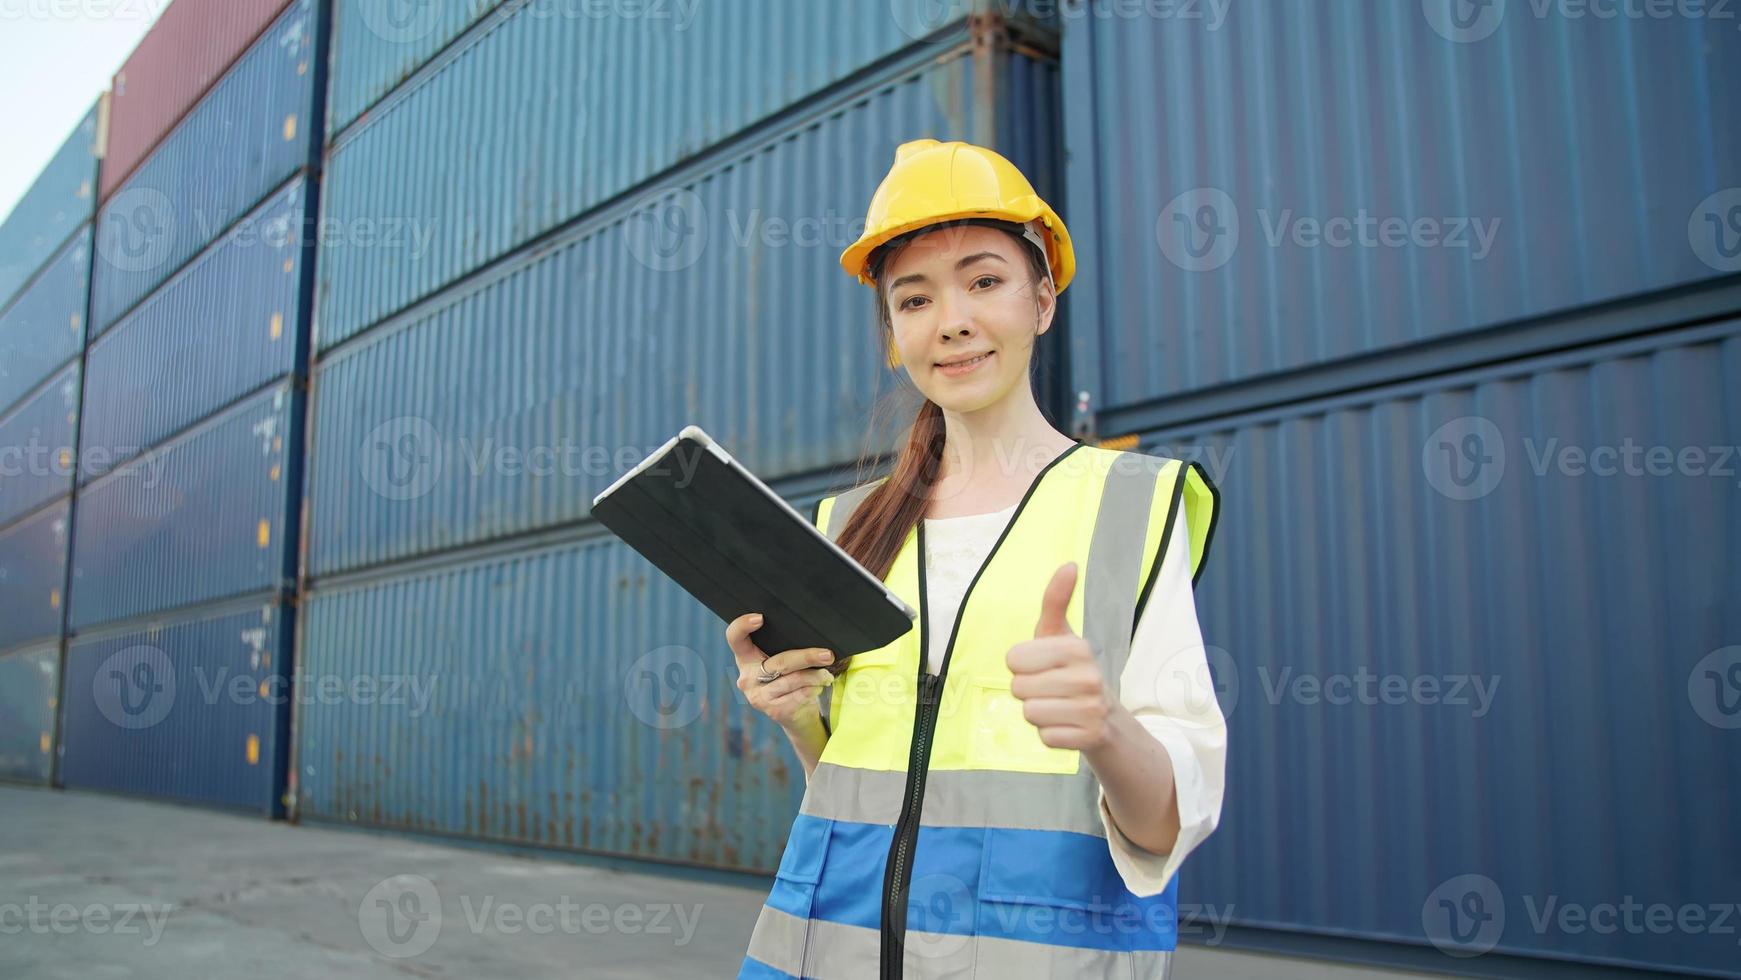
{"x":56,"y":57}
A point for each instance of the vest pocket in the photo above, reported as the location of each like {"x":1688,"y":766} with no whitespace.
{"x":800,"y":869}
{"x":1001,"y":738}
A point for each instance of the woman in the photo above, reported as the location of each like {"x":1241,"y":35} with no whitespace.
{"x":1016,"y":801}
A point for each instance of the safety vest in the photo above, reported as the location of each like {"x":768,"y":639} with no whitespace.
{"x":936,"y":800}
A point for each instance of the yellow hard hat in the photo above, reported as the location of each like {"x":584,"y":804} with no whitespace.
{"x":933,"y":182}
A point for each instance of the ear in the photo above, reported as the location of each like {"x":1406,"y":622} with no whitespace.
{"x":1047,"y":301}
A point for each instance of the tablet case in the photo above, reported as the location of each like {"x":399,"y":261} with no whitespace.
{"x":715,"y":529}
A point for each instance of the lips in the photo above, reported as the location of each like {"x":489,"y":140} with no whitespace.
{"x":960,"y":361}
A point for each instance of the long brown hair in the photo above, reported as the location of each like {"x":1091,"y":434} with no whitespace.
{"x":877,"y":529}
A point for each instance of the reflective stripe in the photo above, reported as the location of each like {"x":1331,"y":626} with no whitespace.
{"x":787,"y":946}
{"x":1039,"y":886}
{"x":960,"y":798}
{"x":844,"y":505}
{"x":1115,"y":559}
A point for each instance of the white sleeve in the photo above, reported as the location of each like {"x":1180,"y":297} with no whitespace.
{"x":1166,"y":684}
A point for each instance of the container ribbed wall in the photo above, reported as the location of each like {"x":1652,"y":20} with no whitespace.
{"x":376,"y":46}
{"x":200,"y":519}
{"x":193,"y":708}
{"x":188,"y":49}
{"x":536,"y":118}
{"x":243,"y":140}
{"x":45,"y":325}
{"x":572,"y":697}
{"x":429,"y":434}
{"x":1584,"y":146}
{"x":62,"y":198}
{"x":36,"y":447}
{"x":235,"y":312}
{"x":1474,"y":527}
{"x":33,"y":557}
{"x":29,"y":684}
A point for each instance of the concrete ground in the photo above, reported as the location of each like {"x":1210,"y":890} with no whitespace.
{"x":95,"y":886}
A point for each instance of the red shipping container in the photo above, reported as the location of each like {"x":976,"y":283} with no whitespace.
{"x":187,"y":51}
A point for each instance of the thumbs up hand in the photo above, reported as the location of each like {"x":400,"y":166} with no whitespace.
{"x":1055,"y":676}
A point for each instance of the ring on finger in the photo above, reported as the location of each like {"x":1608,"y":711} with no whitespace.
{"x":765,"y":677}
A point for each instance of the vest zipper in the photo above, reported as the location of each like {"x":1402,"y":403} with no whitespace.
{"x":897,"y":869}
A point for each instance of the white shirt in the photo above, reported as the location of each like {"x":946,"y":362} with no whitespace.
{"x":1165,"y":684}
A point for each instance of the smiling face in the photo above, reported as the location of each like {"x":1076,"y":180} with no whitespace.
{"x":966,"y":293}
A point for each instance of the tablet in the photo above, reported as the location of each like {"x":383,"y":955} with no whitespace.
{"x":715,"y":529}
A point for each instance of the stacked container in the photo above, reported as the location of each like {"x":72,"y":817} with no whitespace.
{"x":45,"y":268}
{"x":1421,"y":430}
{"x":594,"y":229}
{"x":185,"y":521}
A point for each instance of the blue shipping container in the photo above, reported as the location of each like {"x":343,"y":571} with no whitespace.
{"x":45,"y":327}
{"x":572,"y":697}
{"x":1534,"y":567}
{"x":534,"y":119}
{"x":505,"y":405}
{"x":236,"y":312}
{"x":28,"y":688}
{"x":1248,"y":198}
{"x":62,"y":198}
{"x":194,"y":708}
{"x":36,"y":447}
{"x":376,"y":46}
{"x":244,"y":139}
{"x":33,"y":557}
{"x":200,"y":519}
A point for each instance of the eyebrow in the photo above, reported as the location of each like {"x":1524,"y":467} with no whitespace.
{"x":964,"y":263}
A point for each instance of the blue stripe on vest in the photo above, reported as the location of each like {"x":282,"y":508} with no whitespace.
{"x":754,"y":969}
{"x":1035,"y":885}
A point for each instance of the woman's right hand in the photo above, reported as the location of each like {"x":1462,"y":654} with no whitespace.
{"x":793,"y":700}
